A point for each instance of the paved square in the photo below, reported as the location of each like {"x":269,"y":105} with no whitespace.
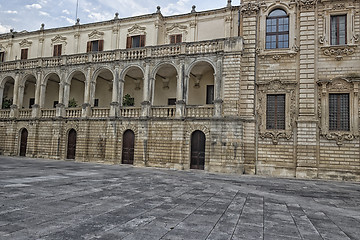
{"x":48,"y":199}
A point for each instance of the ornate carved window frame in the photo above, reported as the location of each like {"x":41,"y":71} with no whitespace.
{"x":352,"y":39}
{"x":277,"y":53}
{"x":59,"y":40}
{"x":277,"y":87}
{"x":348,"y":85}
{"x":176,"y":29}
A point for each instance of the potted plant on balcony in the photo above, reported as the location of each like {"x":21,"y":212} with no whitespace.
{"x":128,"y":101}
{"x":6,"y":103}
{"x":72,"y":103}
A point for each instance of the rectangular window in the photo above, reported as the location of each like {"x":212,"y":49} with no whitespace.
{"x":275,"y":111}
{"x":338,"y":30}
{"x":177,"y":38}
{"x":135,"y":41}
{"x":55,"y":103}
{"x":57,"y":50}
{"x":2,"y":56}
{"x":31,"y":102}
{"x":24,"y":53}
{"x":96,"y":102}
{"x":339,"y":112}
{"x":210,"y":94}
{"x":95,"y":46}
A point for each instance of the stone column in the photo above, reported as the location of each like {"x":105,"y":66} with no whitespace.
{"x":114,"y":105}
{"x":1,"y":96}
{"x":38,"y":94}
{"x":60,"y":107}
{"x":180,"y":102}
{"x":86,"y":107}
{"x":21,"y":95}
{"x":148,"y":82}
{"x":14,"y":109}
{"x":217,"y":89}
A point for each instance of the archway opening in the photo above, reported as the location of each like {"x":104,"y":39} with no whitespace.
{"x":23,"y":142}
{"x":71,"y":146}
{"x":201,"y":84}
{"x":28,"y":94}
{"x":197,"y":150}
{"x":7,"y":93}
{"x":165,"y":86}
{"x":51,"y":98}
{"x":128,"y":147}
{"x":133,"y":88}
{"x":77,"y":90}
{"x":103,"y":89}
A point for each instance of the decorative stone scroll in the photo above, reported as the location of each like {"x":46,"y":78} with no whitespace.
{"x":338,"y":52}
{"x":308,"y":4}
{"x":96,"y":35}
{"x":25,"y":43}
{"x":250,"y":8}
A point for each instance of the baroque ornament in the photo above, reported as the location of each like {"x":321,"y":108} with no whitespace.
{"x":339,"y":52}
{"x":308,"y":4}
{"x":250,"y":8}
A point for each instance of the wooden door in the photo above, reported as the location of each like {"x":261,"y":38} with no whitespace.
{"x":128,"y":147}
{"x":23,"y":142}
{"x":71,"y":147}
{"x":197,"y":150}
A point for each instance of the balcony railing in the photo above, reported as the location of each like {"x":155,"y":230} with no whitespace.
{"x":5,"y":113}
{"x":48,"y":113}
{"x":73,"y":112}
{"x":163,"y":112}
{"x":199,"y":111}
{"x":25,"y":113}
{"x":100,"y":112}
{"x":128,"y":112}
{"x":185,"y":48}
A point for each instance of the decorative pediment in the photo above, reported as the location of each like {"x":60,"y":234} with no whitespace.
{"x":25,"y":43}
{"x":136,"y":30}
{"x":308,"y":4}
{"x":58,"y":39}
{"x":96,"y":35}
{"x":176,"y":27}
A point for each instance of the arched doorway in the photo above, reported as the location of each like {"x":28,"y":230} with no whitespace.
{"x":128,"y":147}
{"x":71,"y":147}
{"x":23,"y":142}
{"x":197,"y":150}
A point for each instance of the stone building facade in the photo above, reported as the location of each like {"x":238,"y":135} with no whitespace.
{"x":268,"y":87}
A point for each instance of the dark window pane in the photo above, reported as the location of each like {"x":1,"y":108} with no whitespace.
{"x":339,"y":113}
{"x":277,"y":13}
{"x":275,"y":111}
{"x":135,"y":41}
{"x":338,"y":30}
{"x":277,"y":30}
{"x":209,"y":94}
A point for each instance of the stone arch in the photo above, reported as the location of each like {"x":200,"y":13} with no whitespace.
{"x":73,"y":72}
{"x":129,"y":126}
{"x":50,"y":88}
{"x":101,"y":87}
{"x":7,"y":91}
{"x":200,"y":82}
{"x":273,"y":6}
{"x":27,"y":89}
{"x":132,"y":81}
{"x":164,"y":87}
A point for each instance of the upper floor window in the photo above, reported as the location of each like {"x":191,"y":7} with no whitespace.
{"x":339,"y":117}
{"x":177,"y":38}
{"x":338,"y":30}
{"x":24,"y":53}
{"x":277,"y":30}
{"x":95,"y":46}
{"x":135,"y":41}
{"x":2,"y":56}
{"x":57,"y":50}
{"x":275,"y":111}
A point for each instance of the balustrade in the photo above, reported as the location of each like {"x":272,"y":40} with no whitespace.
{"x":163,"y":112}
{"x":73,"y":112}
{"x":100,"y":112}
{"x":25,"y":113}
{"x":199,"y":111}
{"x":48,"y":113}
{"x":130,"y":112}
{"x":5,"y":113}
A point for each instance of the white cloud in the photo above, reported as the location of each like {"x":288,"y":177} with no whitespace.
{"x":11,"y":12}
{"x":66,"y":12}
{"x":33,"y":6}
{"x":44,"y":14}
{"x":181,"y":6}
{"x":4,"y":28}
{"x":69,"y":20}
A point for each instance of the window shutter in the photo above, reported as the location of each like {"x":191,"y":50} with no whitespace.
{"x":59,"y":50}
{"x":178,"y":38}
{"x":24,"y":53}
{"x":280,"y":111}
{"x":88,"y":47}
{"x":101,"y":45}
{"x":142,"y":40}
{"x":128,"y":42}
{"x":172,"y":39}
{"x":2,"y":54}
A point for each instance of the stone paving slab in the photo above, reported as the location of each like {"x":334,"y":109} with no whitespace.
{"x":48,"y":199}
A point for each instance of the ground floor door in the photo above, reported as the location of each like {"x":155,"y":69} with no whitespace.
{"x":23,"y":141}
{"x":128,"y":147}
{"x":71,"y":146}
{"x":197,"y":150}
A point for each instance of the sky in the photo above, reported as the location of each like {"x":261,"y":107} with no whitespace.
{"x":30,"y":14}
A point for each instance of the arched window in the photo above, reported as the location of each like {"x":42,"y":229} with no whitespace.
{"x":277,"y":29}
